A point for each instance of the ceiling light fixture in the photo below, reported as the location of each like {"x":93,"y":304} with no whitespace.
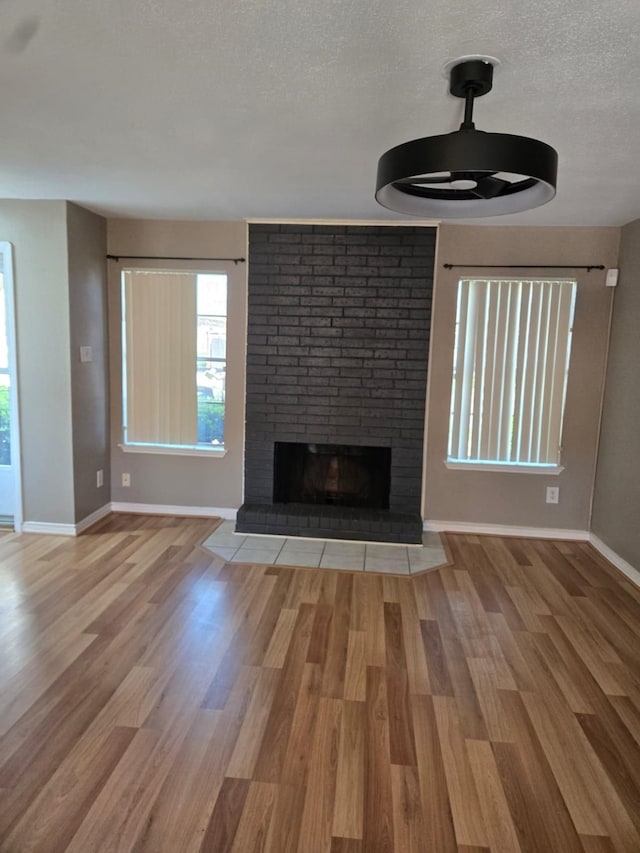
{"x":467,"y":173}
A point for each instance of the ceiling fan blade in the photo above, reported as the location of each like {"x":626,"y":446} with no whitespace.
{"x":436,"y":179}
{"x":489,"y":187}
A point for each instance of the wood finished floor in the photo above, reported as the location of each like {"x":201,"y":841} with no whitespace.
{"x":155,"y":699}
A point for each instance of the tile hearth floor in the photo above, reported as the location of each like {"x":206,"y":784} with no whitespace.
{"x":325,"y":553}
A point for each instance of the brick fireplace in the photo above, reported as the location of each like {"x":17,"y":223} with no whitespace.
{"x":337,"y":346}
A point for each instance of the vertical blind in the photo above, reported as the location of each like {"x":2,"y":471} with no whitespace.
{"x":511,"y":357}
{"x":160,"y":357}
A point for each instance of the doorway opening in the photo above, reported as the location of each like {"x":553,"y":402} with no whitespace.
{"x":10,"y":479}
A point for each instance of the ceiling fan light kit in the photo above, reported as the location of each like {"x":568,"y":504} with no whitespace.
{"x":467,"y":173}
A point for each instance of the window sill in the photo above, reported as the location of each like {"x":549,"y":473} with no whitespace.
{"x":507,"y":467}
{"x":175,"y":450}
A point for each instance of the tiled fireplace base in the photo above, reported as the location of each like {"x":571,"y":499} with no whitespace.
{"x":326,"y":554}
{"x":330,"y":522}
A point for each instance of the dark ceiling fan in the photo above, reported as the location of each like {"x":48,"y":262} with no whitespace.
{"x":467,"y":173}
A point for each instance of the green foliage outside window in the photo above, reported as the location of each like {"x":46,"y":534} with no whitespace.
{"x":210,"y":422}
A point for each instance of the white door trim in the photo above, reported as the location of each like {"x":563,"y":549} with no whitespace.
{"x":6,"y":250}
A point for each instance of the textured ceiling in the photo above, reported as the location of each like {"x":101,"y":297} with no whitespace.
{"x":203,"y":109}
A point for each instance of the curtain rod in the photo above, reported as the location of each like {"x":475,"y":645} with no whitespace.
{"x":525,"y":266}
{"x":164,"y":258}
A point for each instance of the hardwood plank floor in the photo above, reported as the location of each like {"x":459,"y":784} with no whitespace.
{"x":157,"y":699}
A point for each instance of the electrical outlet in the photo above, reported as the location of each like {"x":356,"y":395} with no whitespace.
{"x":99,"y":478}
{"x":553,"y":494}
{"x":126,"y":479}
{"x":86,"y":354}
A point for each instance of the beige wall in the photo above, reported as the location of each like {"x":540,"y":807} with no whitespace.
{"x":477,"y":497}
{"x":616,"y":505}
{"x":182,"y":480}
{"x":37,"y":230}
{"x":519,"y":498}
{"x":87,"y":246}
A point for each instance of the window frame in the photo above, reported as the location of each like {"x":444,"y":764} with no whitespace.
{"x":511,"y":466}
{"x":157,"y":448}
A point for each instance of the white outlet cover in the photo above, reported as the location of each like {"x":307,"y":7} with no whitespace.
{"x":86,"y":354}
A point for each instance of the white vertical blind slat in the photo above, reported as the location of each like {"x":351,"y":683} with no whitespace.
{"x":538,"y":377}
{"x":478,"y":379}
{"x":458,"y":371}
{"x":490,"y":396}
{"x":520,"y":369}
{"x":467,"y":368}
{"x":511,"y":318}
{"x":547,"y":355}
{"x":531,"y":375}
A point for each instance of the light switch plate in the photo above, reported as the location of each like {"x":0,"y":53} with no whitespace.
{"x":86,"y":354}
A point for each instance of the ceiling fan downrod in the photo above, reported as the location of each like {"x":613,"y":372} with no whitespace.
{"x":470,"y":80}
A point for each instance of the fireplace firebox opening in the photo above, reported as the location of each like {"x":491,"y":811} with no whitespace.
{"x":332,"y":474}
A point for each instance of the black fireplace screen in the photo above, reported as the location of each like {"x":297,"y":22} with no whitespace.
{"x":343,"y":475}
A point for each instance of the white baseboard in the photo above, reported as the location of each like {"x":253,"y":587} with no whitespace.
{"x":615,"y":559}
{"x":49,"y":527}
{"x":93,"y":518}
{"x":162,"y":509}
{"x":55,"y":529}
{"x":139,"y":509}
{"x":505,"y":530}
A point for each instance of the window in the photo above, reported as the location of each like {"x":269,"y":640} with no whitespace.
{"x":174,"y":345}
{"x":510,"y":367}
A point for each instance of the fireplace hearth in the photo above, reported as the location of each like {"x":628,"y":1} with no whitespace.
{"x":324,"y":521}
